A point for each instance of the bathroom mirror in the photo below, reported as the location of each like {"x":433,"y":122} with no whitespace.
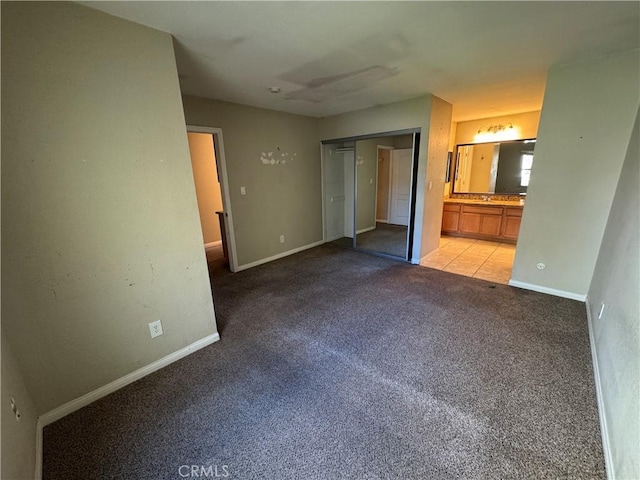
{"x":497,"y":167}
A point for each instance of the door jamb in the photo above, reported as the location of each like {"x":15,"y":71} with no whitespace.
{"x":383,"y":147}
{"x":218,"y":144}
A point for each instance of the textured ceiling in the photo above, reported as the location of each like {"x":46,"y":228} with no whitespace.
{"x":486,"y":58}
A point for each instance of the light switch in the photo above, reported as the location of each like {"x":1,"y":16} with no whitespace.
{"x":243,"y":191}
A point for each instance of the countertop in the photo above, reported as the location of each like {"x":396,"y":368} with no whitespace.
{"x":488,"y":203}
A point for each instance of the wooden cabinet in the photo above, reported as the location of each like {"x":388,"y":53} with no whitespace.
{"x":511,"y":223}
{"x":480,"y":219}
{"x":490,"y":222}
{"x":450,"y":217}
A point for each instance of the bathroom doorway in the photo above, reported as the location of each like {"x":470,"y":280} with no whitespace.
{"x":209,"y":173}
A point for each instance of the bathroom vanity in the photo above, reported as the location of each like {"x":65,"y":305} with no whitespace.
{"x":487,"y":220}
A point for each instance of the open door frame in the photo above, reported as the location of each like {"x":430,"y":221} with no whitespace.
{"x":221,"y":163}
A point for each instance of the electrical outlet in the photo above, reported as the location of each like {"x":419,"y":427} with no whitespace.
{"x":155,"y":328}
{"x":601,"y":311}
{"x":243,"y":191}
{"x":281,"y":238}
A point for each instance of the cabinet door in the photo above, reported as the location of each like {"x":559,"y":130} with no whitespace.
{"x":511,"y":227}
{"x":470,"y":222}
{"x":450,"y":221}
{"x":490,"y":225}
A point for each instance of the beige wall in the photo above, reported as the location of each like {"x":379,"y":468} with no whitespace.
{"x":439,"y":130}
{"x":18,"y":436}
{"x":616,"y":336}
{"x":384,"y":163}
{"x":375,"y":167}
{"x":283,"y":199}
{"x":205,"y":175}
{"x":587,"y":117}
{"x":452,"y":147}
{"x":525,"y":126}
{"x":100,"y":229}
{"x":481,"y":167}
{"x":409,"y":114}
{"x":366,"y":180}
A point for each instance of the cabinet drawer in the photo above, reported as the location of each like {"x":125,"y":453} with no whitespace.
{"x":513,"y":212}
{"x":451,"y":207}
{"x":482,"y":210}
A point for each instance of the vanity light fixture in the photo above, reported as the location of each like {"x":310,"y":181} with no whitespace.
{"x":496,"y":128}
{"x":497,"y":132}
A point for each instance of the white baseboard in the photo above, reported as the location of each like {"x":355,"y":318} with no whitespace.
{"x":84,"y":400}
{"x":368,"y":229}
{"x":213,"y":244}
{"x":604,"y":431}
{"x":551,"y":291}
{"x":279,"y":255}
{"x":382,"y":220}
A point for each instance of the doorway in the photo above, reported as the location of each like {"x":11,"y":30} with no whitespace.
{"x":210,"y":180}
{"x":368,"y":192}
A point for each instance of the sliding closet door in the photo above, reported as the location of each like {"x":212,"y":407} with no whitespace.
{"x":388,"y":235}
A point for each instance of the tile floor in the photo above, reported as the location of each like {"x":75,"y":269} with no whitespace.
{"x":473,"y":258}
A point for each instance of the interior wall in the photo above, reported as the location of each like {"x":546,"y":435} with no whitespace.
{"x":587,"y":116}
{"x":281,"y":198}
{"x":452,"y":147}
{"x":409,"y":114}
{"x":100,"y":226}
{"x":616,"y":336}
{"x":403,"y":141}
{"x":366,"y":180}
{"x":438,"y":145}
{"x":525,"y":125}
{"x":481,"y":167}
{"x":18,"y":436}
{"x":205,"y":175}
{"x":384,"y":183}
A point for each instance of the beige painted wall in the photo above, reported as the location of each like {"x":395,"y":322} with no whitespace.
{"x":452,"y":147}
{"x":481,"y":167}
{"x":587,"y":117}
{"x":99,"y":214}
{"x":366,"y":180}
{"x":616,"y":283}
{"x":439,"y":130}
{"x":205,"y":175}
{"x":18,"y":436}
{"x":414,"y":113}
{"x":283,"y":199}
{"x":525,"y":124}
{"x":384,"y":163}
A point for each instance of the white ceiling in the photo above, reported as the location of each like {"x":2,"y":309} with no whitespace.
{"x":486,"y":58}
